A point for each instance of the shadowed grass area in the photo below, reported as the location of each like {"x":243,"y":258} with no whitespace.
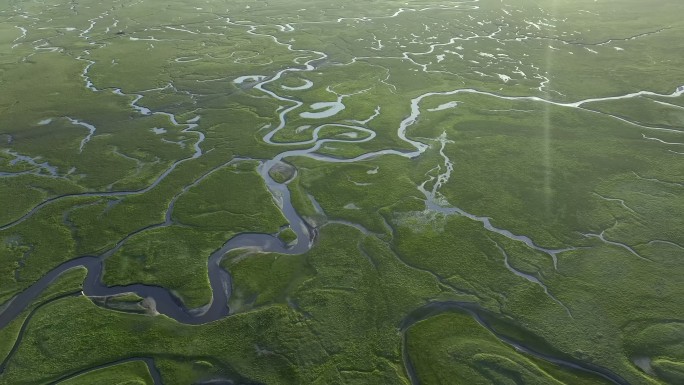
{"x":453,"y":348}
{"x":291,"y":334}
{"x":70,"y":282}
{"x":135,"y":372}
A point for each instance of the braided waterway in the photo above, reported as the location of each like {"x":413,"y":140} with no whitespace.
{"x":167,"y":303}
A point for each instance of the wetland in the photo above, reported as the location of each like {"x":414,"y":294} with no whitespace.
{"x":313,"y":192}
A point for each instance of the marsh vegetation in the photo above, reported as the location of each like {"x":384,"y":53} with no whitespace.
{"x":321,"y":192}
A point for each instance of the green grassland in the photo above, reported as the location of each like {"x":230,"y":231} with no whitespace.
{"x":454,"y":348}
{"x":127,"y":373}
{"x":225,"y":203}
{"x":68,"y":283}
{"x":270,"y":341}
{"x":351,"y":193}
{"x":170,"y":172}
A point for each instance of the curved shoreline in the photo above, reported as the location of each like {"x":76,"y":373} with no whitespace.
{"x":149,"y":362}
{"x":220,"y":281}
{"x":475,"y":311}
{"x":22,"y":330}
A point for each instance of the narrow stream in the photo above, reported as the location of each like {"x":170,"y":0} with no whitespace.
{"x":220,"y":281}
{"x":479,"y":314}
{"x":167,"y":303}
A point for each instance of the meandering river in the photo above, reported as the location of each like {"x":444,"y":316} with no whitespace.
{"x":167,"y":303}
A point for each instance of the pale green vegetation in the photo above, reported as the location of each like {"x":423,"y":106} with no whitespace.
{"x":453,"y":348}
{"x":552,"y":165}
{"x":129,"y":373}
